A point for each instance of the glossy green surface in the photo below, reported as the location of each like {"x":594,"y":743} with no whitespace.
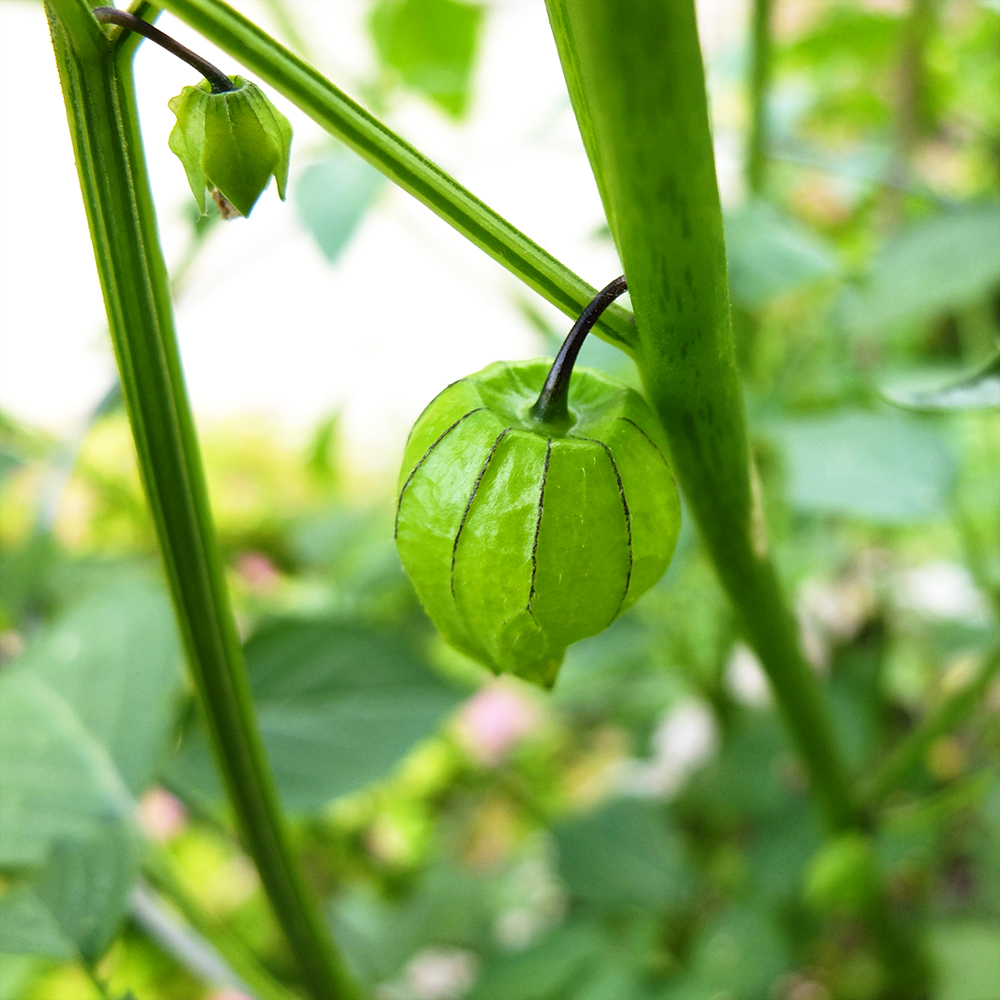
{"x":522,"y":538}
{"x":234,"y":141}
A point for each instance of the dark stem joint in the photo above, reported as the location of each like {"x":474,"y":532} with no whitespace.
{"x":221,"y":83}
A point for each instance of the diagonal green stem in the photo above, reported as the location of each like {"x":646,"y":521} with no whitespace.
{"x":914,"y":746}
{"x":331,"y":108}
{"x":99,"y":93}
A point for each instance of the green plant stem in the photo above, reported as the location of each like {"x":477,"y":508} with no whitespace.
{"x":158,"y":871}
{"x":99,"y":92}
{"x":912,"y":749}
{"x":760,"y":83}
{"x":637,"y":85}
{"x":332,"y":109}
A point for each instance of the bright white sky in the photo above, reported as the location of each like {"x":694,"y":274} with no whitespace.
{"x":266,"y":326}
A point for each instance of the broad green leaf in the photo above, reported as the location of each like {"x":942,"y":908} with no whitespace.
{"x":76,"y":904}
{"x":561,"y":960}
{"x":432,"y":44}
{"x":883,"y":468}
{"x":945,"y":262}
{"x":741,"y":955}
{"x":333,"y":195}
{"x":625,"y":854}
{"x":115,"y":659}
{"x":448,"y":906}
{"x":339,"y":705}
{"x":56,"y":780}
{"x":17,"y":972}
{"x":769,"y":254}
{"x":968,"y":960}
{"x":980,"y":391}
{"x":28,"y":926}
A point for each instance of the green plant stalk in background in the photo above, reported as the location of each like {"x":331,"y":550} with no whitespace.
{"x":97,"y":82}
{"x":332,"y":109}
{"x":760,"y":85}
{"x":637,"y":84}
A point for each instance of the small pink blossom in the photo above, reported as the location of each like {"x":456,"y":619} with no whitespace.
{"x":161,"y":815}
{"x":495,"y":720}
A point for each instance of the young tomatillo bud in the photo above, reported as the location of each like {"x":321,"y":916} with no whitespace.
{"x":232,"y":141}
{"x":531,"y":517}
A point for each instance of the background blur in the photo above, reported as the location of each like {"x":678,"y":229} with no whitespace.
{"x":643,"y":832}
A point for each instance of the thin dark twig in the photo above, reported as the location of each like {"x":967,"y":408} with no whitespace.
{"x":551,"y":407}
{"x":221,"y":83}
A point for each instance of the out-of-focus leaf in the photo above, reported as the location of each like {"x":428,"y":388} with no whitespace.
{"x":770,"y":254}
{"x":28,"y":927}
{"x":332,"y":197}
{"x":842,"y":874}
{"x":625,"y":854}
{"x":115,"y":659}
{"x":968,"y":960}
{"x":76,"y":904}
{"x":17,"y":972}
{"x":449,"y":906}
{"x":56,"y":780}
{"x":941,"y":263}
{"x":339,"y":705}
{"x":741,"y":955}
{"x":432,"y":44}
{"x":556,"y":967}
{"x":882,"y":468}
{"x":980,"y":391}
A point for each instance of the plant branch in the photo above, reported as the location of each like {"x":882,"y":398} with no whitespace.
{"x":99,"y":93}
{"x":221,"y":83}
{"x":760,"y":82}
{"x":914,"y":746}
{"x":332,"y":109}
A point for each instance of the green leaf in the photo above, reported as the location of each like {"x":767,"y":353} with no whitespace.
{"x":234,"y":141}
{"x":560,"y":960}
{"x":968,"y":960}
{"x":882,"y":468}
{"x":770,"y":254}
{"x":740,"y":955}
{"x":332,"y":197}
{"x":116,"y":660}
{"x":339,"y":705}
{"x":626,"y":853}
{"x":980,"y":391}
{"x":28,"y":926}
{"x":432,"y":44}
{"x":941,"y":263}
{"x":56,"y":780}
{"x":76,"y":904}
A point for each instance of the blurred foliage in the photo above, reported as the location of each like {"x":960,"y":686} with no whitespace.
{"x":644,"y":832}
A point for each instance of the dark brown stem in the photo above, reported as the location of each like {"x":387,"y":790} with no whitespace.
{"x":221,"y":83}
{"x":552,"y":406}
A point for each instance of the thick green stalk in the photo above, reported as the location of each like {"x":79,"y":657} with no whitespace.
{"x":332,"y":109}
{"x":99,"y":92}
{"x":637,"y":85}
{"x":760,"y":82}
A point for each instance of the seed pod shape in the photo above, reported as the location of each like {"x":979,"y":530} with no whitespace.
{"x":522,"y":537}
{"x":233,"y":141}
